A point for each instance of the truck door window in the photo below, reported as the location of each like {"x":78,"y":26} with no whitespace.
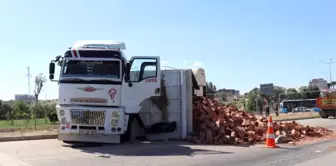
{"x":142,"y":69}
{"x":149,"y":71}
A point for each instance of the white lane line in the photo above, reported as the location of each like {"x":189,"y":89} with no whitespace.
{"x":6,"y":160}
{"x":58,"y":157}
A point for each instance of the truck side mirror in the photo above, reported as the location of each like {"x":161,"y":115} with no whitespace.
{"x":128,"y":66}
{"x":51,"y":70}
{"x":127,"y":71}
{"x":51,"y":76}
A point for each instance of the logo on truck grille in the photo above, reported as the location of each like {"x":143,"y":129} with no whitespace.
{"x":89,"y":89}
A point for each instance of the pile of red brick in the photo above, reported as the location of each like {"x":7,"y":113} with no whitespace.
{"x":215,"y":123}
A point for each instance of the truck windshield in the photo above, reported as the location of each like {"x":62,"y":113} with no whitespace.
{"x":84,"y":68}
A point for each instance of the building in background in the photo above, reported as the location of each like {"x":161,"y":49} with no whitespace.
{"x":24,"y":97}
{"x":319,"y":82}
{"x":229,"y":94}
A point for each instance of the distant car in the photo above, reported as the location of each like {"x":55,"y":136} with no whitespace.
{"x":300,"y":109}
{"x":315,"y":109}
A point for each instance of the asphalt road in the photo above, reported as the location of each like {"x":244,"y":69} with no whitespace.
{"x":53,"y":153}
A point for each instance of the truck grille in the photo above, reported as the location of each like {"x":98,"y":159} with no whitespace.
{"x":87,"y":117}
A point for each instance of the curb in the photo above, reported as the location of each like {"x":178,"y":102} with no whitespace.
{"x":295,"y":119}
{"x":33,"y":137}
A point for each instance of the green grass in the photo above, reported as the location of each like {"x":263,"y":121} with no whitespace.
{"x":239,"y":104}
{"x":295,"y":116}
{"x":25,"y":124}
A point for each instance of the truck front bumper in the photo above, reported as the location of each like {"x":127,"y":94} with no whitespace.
{"x":91,"y":121}
{"x":89,"y":138}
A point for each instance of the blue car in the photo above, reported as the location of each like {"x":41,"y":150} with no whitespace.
{"x":284,"y":110}
{"x":316,"y":109}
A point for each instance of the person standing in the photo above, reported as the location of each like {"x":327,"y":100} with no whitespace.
{"x":276,"y":110}
{"x":267,"y":110}
{"x":266,"y":107}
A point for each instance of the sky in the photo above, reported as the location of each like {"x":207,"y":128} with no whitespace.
{"x":240,"y":43}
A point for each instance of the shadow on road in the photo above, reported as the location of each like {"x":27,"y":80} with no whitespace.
{"x":144,"y":149}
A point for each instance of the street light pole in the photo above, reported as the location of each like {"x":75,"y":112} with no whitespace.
{"x":330,"y":69}
{"x":328,"y":63}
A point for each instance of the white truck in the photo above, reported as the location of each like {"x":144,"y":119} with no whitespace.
{"x":102,"y":95}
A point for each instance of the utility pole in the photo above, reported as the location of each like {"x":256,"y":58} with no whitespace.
{"x":28,"y":76}
{"x":329,"y":63}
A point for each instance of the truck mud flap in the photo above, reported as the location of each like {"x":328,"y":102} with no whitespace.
{"x":161,"y":127}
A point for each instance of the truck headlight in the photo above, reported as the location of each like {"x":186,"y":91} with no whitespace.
{"x":63,"y":121}
{"x":115,"y":114}
{"x":62,"y":112}
{"x":114,"y":122}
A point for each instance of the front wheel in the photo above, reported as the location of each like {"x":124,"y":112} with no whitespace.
{"x":324,"y":116}
{"x":129,"y":135}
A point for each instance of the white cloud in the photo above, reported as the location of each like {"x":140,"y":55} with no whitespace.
{"x":185,"y":62}
{"x":197,"y":64}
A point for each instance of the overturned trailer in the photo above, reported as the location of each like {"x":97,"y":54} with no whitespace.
{"x":105,"y":98}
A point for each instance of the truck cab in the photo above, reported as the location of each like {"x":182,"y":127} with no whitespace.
{"x":100,"y":90}
{"x":327,"y":103}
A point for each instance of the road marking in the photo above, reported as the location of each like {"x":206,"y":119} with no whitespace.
{"x":325,"y":160}
{"x":6,"y":160}
{"x":57,"y":157}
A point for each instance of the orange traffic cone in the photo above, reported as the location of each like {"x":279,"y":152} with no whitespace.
{"x":270,"y":138}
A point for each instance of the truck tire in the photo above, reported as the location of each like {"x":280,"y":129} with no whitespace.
{"x":324,"y":116}
{"x":127,"y":136}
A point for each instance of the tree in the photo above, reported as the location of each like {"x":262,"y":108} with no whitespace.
{"x":304,"y":92}
{"x":253,"y":98}
{"x":21,"y":109}
{"x":223,"y":97}
{"x":52,"y":117}
{"x":278,"y":92}
{"x":39,"y":82}
{"x":310,"y":92}
{"x":210,"y":88}
{"x":293,"y":94}
{"x":8,"y":109}
{"x":2,"y":112}
{"x":313,"y":92}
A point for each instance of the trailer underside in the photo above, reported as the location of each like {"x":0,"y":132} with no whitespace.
{"x":325,"y":113}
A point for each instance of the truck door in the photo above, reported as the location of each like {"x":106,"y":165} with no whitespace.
{"x":142,"y":83}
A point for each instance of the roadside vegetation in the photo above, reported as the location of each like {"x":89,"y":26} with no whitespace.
{"x":28,"y":114}
{"x":22,"y":115}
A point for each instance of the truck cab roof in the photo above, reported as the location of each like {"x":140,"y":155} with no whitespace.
{"x":96,"y":49}
{"x":94,"y":53}
{"x":107,"y":44}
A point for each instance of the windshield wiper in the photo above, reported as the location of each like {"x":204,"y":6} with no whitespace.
{"x":72,"y":79}
{"x":81,"y":81}
{"x":104,"y":80}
